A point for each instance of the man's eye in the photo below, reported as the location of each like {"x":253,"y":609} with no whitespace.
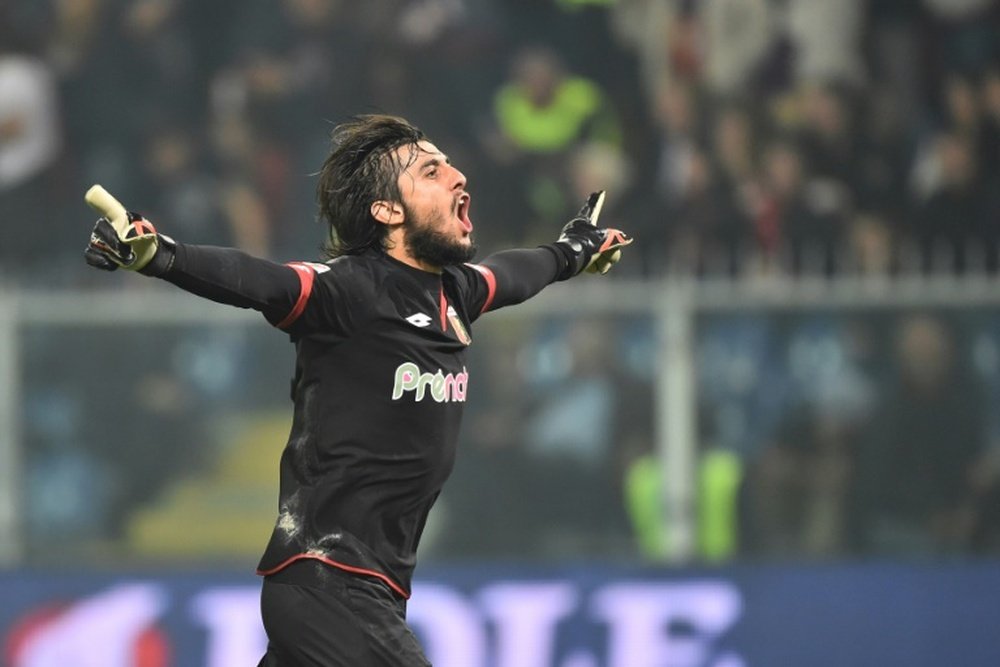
{"x":432,"y":173}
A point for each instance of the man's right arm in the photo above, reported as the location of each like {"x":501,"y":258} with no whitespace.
{"x":229,"y":276}
{"x":123,"y":239}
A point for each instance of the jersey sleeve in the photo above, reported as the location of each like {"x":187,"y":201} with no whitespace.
{"x":506,"y":278}
{"x":299,"y":298}
{"x":333,"y":299}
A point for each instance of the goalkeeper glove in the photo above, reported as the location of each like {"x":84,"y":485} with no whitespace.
{"x":124,"y":239}
{"x":588,"y":247}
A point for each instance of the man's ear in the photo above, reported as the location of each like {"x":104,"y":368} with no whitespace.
{"x":387,"y":212}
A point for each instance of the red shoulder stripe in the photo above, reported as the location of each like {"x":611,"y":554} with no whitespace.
{"x":491,"y":285}
{"x":306,"y":276}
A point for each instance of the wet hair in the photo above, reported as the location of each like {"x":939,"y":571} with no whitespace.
{"x":362,"y":168}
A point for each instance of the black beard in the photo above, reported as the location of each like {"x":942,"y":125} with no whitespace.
{"x":432,"y":247}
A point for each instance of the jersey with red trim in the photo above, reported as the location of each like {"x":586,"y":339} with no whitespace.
{"x":380,"y":384}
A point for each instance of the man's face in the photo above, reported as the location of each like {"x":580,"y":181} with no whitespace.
{"x":438,"y":229}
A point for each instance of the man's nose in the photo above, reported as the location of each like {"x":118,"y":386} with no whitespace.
{"x":460,"y":180}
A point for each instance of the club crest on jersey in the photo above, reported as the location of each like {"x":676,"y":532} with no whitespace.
{"x":441,"y":387}
{"x":456,"y":324}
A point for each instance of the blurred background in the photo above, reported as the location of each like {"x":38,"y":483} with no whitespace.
{"x":770,"y":436}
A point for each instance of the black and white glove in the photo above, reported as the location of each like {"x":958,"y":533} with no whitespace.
{"x":124,"y":239}
{"x":588,"y":247}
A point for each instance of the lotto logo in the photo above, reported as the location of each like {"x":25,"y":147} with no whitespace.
{"x":419,"y":320}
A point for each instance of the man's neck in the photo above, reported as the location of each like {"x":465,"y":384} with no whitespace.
{"x":398,"y":252}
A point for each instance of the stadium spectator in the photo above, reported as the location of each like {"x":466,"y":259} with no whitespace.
{"x":825,"y":38}
{"x":541,"y":112}
{"x":795,"y":498}
{"x":960,"y":35}
{"x":740,"y":41}
{"x":734,"y":187}
{"x":919,"y":448}
{"x":645,"y":29}
{"x":579,"y":422}
{"x":870,"y":244}
{"x":30,"y":145}
{"x":178,"y":185}
{"x":961,"y":106}
{"x":677,"y":136}
{"x":734,"y":147}
{"x":892,"y":44}
{"x":543,"y":109}
{"x":985,"y":537}
{"x":829,"y":141}
{"x":160,"y":58}
{"x":990,"y":143}
{"x":953,"y":225}
{"x":884,"y":157}
{"x":799,"y":226}
{"x":700,"y":222}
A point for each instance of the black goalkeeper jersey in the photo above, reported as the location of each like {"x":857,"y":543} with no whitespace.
{"x":380,"y":384}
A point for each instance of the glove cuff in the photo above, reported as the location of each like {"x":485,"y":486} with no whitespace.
{"x":569,"y":261}
{"x":163,"y":258}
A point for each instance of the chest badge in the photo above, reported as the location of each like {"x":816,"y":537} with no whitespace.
{"x":456,"y":324}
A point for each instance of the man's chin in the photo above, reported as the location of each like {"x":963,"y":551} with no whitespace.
{"x":438,"y":250}
{"x":470,"y":248}
{"x":458,"y":253}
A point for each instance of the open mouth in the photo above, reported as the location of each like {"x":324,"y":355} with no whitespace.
{"x":462,"y":206}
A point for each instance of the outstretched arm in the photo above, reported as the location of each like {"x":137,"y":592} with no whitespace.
{"x":516,"y":275}
{"x":233,"y":277}
{"x":122,"y":239}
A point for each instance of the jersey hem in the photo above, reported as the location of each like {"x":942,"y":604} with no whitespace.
{"x":340,"y":566}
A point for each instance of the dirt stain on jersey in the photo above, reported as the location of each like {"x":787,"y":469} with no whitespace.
{"x":289,"y":524}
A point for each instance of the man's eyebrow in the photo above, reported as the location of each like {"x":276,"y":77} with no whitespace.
{"x":434,"y":161}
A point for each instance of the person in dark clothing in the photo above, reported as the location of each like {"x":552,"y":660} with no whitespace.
{"x":380,"y":331}
{"x":954,"y":225}
{"x":919,"y":449}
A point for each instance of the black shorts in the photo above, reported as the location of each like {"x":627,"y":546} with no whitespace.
{"x":318,"y":616}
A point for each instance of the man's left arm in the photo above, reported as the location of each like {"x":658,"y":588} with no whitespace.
{"x":512,"y":276}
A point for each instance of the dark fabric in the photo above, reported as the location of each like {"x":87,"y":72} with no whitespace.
{"x":379,"y":389}
{"x":317,"y":616}
{"x":521,"y":273}
{"x":235,"y":278}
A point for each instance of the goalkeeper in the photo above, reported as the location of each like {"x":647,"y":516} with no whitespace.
{"x":380,"y":332}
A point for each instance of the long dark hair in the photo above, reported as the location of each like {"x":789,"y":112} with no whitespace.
{"x":362,"y":168}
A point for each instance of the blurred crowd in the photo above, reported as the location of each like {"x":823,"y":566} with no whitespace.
{"x":734,"y":136}
{"x":822,"y":435}
{"x":875,"y":435}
